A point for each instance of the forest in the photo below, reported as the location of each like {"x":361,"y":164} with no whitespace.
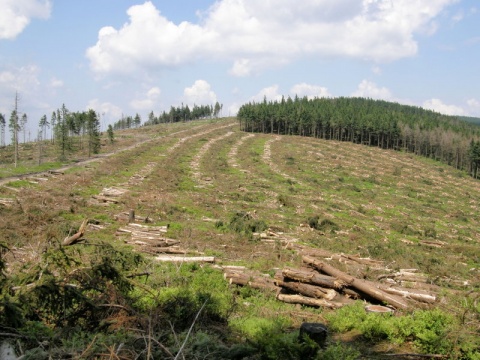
{"x":379,"y":123}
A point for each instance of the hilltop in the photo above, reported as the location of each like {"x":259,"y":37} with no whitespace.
{"x":193,"y":182}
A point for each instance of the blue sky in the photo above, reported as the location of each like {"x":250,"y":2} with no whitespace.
{"x":126,"y":57}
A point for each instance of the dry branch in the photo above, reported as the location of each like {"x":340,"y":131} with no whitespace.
{"x":70,"y":240}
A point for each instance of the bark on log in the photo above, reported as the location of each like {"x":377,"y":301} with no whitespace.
{"x":304,"y":300}
{"x":361,"y":285}
{"x":254,"y":281}
{"x":312,"y":277}
{"x":308,"y":290}
{"x":70,"y":240}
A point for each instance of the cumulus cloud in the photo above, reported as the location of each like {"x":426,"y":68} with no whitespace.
{"x":149,"y":101}
{"x":368,"y":89}
{"x":15,"y":15}
{"x":310,"y":91}
{"x":56,"y":83}
{"x":270,"y":93}
{"x":438,"y":106}
{"x":474,"y":106}
{"x":254,"y":35}
{"x":200,"y":93}
{"x":111,"y":111}
{"x":23,"y":79}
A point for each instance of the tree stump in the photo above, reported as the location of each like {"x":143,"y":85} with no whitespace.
{"x":315,"y":331}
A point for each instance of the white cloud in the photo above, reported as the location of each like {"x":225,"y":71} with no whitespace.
{"x":270,"y":93}
{"x":254,"y":34}
{"x":200,"y":93}
{"x":311,"y":91}
{"x":368,"y":89}
{"x":56,"y":83}
{"x":105,"y":109}
{"x":149,"y":102}
{"x":438,"y":106}
{"x":15,"y":15}
{"x":23,"y":79}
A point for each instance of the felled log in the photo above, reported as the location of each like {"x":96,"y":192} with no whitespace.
{"x":168,"y":250}
{"x":304,"y":300}
{"x":305,"y":250}
{"x":361,"y":285}
{"x":158,"y":243}
{"x":312,"y":277}
{"x":70,"y":240}
{"x":405,"y":276}
{"x":55,"y":172}
{"x":432,"y":243}
{"x":6,"y":202}
{"x":113,"y":192}
{"x":357,"y":259}
{"x":409,"y":294}
{"x":172,"y":258}
{"x":256,"y":282}
{"x":308,"y":290}
{"x":106,"y":199}
{"x":147,"y":228}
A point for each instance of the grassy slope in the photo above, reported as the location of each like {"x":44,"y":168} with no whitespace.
{"x":384,"y":202}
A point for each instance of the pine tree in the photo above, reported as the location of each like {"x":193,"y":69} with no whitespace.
{"x":43,"y":124}
{"x":93,"y":132}
{"x":2,"y":129}
{"x":111,"y":135}
{"x":23,"y":125}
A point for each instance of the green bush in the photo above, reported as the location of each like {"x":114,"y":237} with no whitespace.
{"x":324,"y":225}
{"x":244,"y":223}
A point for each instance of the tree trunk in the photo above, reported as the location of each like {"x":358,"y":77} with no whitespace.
{"x":304,"y":300}
{"x":308,"y":290}
{"x":70,"y":240}
{"x":312,"y":277}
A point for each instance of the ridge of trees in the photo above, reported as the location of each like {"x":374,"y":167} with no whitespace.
{"x":184,"y":113}
{"x":380,"y":123}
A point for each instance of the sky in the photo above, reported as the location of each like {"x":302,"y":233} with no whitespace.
{"x":123,"y":57}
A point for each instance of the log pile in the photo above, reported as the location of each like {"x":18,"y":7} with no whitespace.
{"x":270,"y":236}
{"x":320,"y":283}
{"x":108,"y":196}
{"x":7,"y":202}
{"x":152,"y":240}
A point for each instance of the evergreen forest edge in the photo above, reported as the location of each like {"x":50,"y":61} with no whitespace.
{"x":388,"y":125}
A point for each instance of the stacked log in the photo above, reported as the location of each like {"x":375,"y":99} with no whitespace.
{"x":152,"y":240}
{"x":321,"y":284}
{"x":7,"y":202}
{"x":108,"y":196}
{"x":270,"y":236}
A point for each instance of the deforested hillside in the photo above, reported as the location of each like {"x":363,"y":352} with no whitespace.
{"x":200,"y":241}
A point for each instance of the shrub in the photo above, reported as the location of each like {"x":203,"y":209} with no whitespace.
{"x":324,"y":225}
{"x":244,"y":223}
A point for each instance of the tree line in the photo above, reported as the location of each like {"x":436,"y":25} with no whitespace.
{"x":71,"y":131}
{"x":184,"y":113}
{"x":380,"y":123}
